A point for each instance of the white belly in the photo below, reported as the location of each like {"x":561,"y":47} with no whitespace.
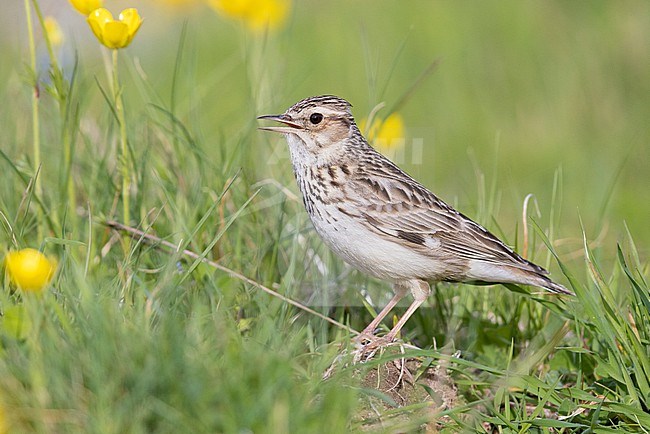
{"x":373,"y":254}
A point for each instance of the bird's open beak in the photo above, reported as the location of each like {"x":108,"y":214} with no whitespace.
{"x":291,"y":126}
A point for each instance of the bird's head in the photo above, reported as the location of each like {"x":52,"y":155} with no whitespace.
{"x":315,"y":124}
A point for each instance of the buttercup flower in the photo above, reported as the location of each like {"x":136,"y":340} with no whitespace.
{"x":85,"y":7}
{"x":115,"y":33}
{"x":387,"y":134}
{"x":29,"y":269}
{"x":256,"y":14}
{"x":53,"y":31}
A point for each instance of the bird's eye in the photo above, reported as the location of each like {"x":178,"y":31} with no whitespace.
{"x":316,"y":118}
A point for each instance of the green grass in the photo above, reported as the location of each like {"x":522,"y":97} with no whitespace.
{"x":550,"y":99}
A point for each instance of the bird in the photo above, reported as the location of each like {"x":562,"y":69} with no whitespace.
{"x":383,"y":222}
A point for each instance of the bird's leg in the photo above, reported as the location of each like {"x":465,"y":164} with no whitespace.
{"x":400,"y":291}
{"x":420,"y":290}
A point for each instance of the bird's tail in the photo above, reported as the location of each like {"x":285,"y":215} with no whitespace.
{"x":499,"y":273}
{"x":553,"y":287}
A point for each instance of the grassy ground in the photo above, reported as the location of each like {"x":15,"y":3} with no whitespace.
{"x":550,"y":99}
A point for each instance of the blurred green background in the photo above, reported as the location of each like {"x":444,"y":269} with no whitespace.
{"x":522,"y":90}
{"x":543,"y":98}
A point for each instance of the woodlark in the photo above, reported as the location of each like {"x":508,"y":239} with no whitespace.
{"x":383,"y":222}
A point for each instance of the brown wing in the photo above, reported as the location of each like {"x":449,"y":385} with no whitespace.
{"x":397,"y":206}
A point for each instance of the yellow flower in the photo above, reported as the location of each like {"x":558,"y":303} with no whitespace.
{"x":115,"y":33}
{"x":387,"y":134}
{"x":256,"y":14}
{"x":85,"y":7}
{"x":53,"y":30}
{"x":29,"y":269}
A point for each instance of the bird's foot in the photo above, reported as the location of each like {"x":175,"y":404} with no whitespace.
{"x":367,"y":346}
{"x":368,"y":338}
